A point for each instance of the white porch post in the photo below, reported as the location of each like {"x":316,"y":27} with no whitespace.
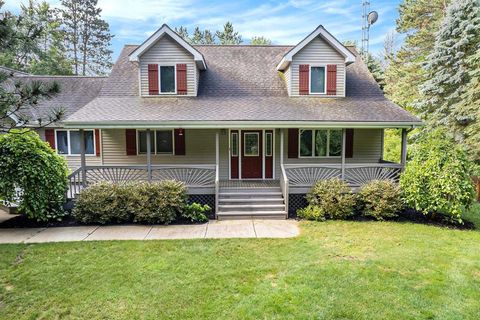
{"x":83,"y":162}
{"x":149,"y":156}
{"x":403,"y":160}
{"x":217,"y":169}
{"x":344,"y":142}
{"x":281,"y":146}
{"x":217,"y":148}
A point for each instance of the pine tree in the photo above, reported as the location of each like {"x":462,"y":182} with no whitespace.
{"x":257,"y":41}
{"x":88,"y":36}
{"x":208,"y":37}
{"x":229,"y":35}
{"x":449,"y":70}
{"x":197,"y":37}
{"x":418,"y":20}
{"x":183,"y":32}
{"x":375,"y":68}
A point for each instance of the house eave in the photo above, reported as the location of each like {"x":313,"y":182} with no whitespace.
{"x":239,"y":124}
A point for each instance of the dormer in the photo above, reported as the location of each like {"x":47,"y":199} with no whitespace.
{"x":167,"y":65}
{"x":316,"y":67}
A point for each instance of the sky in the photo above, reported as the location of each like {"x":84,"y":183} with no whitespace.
{"x":282,"y":21}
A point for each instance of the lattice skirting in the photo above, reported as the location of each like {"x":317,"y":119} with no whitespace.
{"x":204,"y":199}
{"x":296,"y":201}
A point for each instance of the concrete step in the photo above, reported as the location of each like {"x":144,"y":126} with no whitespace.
{"x":250,"y":207}
{"x":237,"y":215}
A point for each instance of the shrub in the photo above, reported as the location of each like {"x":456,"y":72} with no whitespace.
{"x":333,"y":197}
{"x":380,"y":199}
{"x":162,"y":201}
{"x":437,"y":178}
{"x":108,"y":203}
{"x":195,"y":212}
{"x":311,"y":213}
{"x":29,"y":164}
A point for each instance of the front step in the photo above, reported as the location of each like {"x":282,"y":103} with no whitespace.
{"x":251,"y":203}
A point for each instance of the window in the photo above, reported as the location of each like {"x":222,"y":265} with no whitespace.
{"x":167,"y":79}
{"x":268,"y":144}
{"x":161,"y":141}
{"x":320,"y":143}
{"x":251,"y":144}
{"x":234,"y":144}
{"x":68,"y":142}
{"x":318,"y":79}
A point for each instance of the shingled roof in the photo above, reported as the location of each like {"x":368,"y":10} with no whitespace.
{"x":240,"y":85}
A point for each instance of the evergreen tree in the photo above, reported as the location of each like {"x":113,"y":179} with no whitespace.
{"x":197,"y":37}
{"x":419,"y":20}
{"x":183,"y":32}
{"x":256,"y":41}
{"x":88,"y":36}
{"x":375,"y":68}
{"x":208,"y":37}
{"x":449,"y":71}
{"x":229,"y":35}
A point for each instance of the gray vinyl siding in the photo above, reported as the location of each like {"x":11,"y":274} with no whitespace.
{"x":167,"y":51}
{"x":318,"y":52}
{"x":288,"y":79}
{"x":367,"y":148}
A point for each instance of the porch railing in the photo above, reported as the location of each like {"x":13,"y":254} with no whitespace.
{"x":284,"y":184}
{"x":194,"y":176}
{"x":305,"y":175}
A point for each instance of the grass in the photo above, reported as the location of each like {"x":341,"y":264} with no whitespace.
{"x":335,"y":269}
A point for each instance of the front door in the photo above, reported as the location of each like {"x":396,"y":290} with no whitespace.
{"x":252,"y":154}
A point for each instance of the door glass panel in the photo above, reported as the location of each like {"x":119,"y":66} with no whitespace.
{"x":251,"y":144}
{"x":305,"y":143}
{"x":234,"y":144}
{"x":268,"y":144}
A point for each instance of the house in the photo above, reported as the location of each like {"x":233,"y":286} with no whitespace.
{"x":249,"y":129}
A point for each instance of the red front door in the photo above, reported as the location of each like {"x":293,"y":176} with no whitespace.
{"x":252,"y":154}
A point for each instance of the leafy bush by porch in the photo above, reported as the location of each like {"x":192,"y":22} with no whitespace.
{"x":196,"y":212}
{"x":30,"y":165}
{"x":159,"y":202}
{"x":380,"y":199}
{"x":437,"y":179}
{"x":333,"y":198}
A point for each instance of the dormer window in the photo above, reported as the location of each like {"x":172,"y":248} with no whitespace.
{"x":167,"y":79}
{"x":318,"y":79}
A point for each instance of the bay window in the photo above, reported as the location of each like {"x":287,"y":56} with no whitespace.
{"x":68,"y":142}
{"x":320,"y":143}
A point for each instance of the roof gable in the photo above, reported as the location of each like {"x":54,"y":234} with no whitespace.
{"x":325,"y":35}
{"x":166,"y":30}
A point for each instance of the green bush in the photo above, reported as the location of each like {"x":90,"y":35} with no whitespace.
{"x":333,"y":197}
{"x":195,"y":212}
{"x":380,"y":199}
{"x":107,"y":202}
{"x":311,"y":213}
{"x":29,"y":164}
{"x":437,"y":178}
{"x":162,"y":201}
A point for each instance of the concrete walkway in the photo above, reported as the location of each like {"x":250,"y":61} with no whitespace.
{"x":212,"y":229}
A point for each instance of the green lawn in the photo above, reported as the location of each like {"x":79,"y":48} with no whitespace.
{"x":336,"y":269}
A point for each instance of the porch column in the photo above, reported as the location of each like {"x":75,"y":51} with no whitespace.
{"x":344,"y":142}
{"x":281,"y":146}
{"x":83,"y":162}
{"x":217,"y":148}
{"x":149,"y":156}
{"x":403,"y":160}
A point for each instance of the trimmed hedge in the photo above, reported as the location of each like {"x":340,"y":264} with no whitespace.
{"x":159,"y":202}
{"x":380,"y":199}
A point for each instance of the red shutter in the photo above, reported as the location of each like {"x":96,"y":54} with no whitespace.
{"x":303,"y":77}
{"x":332,"y":79}
{"x":348,"y":143}
{"x":97,"y":142}
{"x":293,"y":143}
{"x":179,"y":142}
{"x":50,"y":137}
{"x":153,"y":79}
{"x":181,"y":78}
{"x":131,"y":141}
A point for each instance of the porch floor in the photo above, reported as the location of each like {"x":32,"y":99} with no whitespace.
{"x":255,"y":184}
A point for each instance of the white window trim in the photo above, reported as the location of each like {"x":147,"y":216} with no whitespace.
{"x":324,"y":66}
{"x":154,"y":151}
{"x":94,"y":154}
{"x":313,"y":144}
{"x":160,"y":78}
{"x":245,"y":145}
